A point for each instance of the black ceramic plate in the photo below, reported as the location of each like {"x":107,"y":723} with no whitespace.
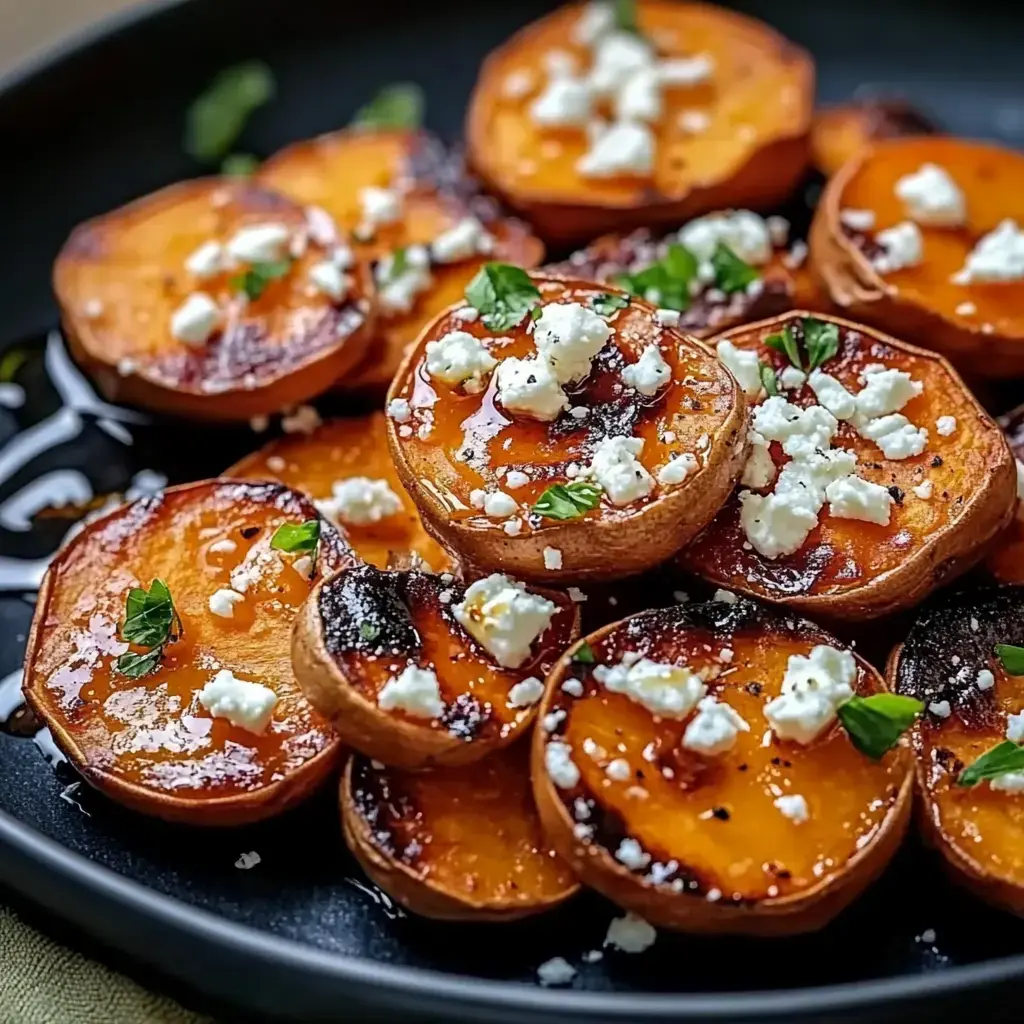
{"x":302,"y":934}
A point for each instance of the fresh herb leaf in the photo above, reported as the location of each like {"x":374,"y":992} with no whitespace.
{"x":607,"y":304}
{"x":567,"y":501}
{"x":397,"y":266}
{"x":768,"y":381}
{"x":584,"y":654}
{"x":150,"y":618}
{"x":503,"y":294}
{"x":135,"y":666}
{"x":536,"y":313}
{"x":396,"y":106}
{"x":1003,"y":758}
{"x":625,"y":15}
{"x":11,"y":362}
{"x":667,"y":282}
{"x":731,"y":273}
{"x":785,"y":342}
{"x":297,"y":537}
{"x":217,"y":118}
{"x":821,"y":339}
{"x":240,"y":165}
{"x":255,"y":280}
{"x":875,"y":723}
{"x":368,"y":631}
{"x":1012,"y":658}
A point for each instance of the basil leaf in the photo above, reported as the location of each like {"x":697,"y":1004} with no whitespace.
{"x":625,"y":15}
{"x":821,"y":340}
{"x":368,"y":631}
{"x":396,"y":106}
{"x":218,"y":116}
{"x":150,"y":618}
{"x":875,"y":723}
{"x":1003,"y":758}
{"x":768,"y":381}
{"x":584,"y":654}
{"x":240,"y":165}
{"x":255,"y":280}
{"x":1012,"y":658}
{"x":731,"y":273}
{"x":608,"y":304}
{"x":667,"y":282}
{"x":503,"y":294}
{"x":292,"y":537}
{"x":785,"y":342}
{"x":567,"y":501}
{"x":135,"y":666}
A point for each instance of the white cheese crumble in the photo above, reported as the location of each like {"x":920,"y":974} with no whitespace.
{"x":940,"y":708}
{"x":985,"y":680}
{"x":794,"y":807}
{"x":639,"y":98}
{"x":568,"y":335}
{"x":525,"y":693}
{"x":196,"y":320}
{"x":743,"y":364}
{"x":329,"y":278}
{"x":630,"y":934}
{"x":397,"y":293}
{"x":791,"y":378}
{"x":552,"y":558}
{"x":896,"y":436}
{"x":999,"y":256}
{"x":667,"y":317}
{"x":247,"y":705}
{"x":649,"y":374}
{"x":504,"y":617}
{"x":222,"y":602}
{"x":617,"y":56}
{"x":565,"y":102}
{"x":832,"y":395}
{"x":399,"y":410}
{"x":1015,"y":727}
{"x":499,"y":504}
{"x":903,"y":245}
{"x":556,"y":971}
{"x":759,"y":471}
{"x":714,"y":728}
{"x":415,"y":691}
{"x":631,"y":855}
{"x":675,"y":471}
{"x":744,"y":232}
{"x":616,"y":468}
{"x":597,"y":20}
{"x":924,"y":489}
{"x":207,"y":261}
{"x":462,"y":241}
{"x":884,"y":392}
{"x":514,"y":479}
{"x":858,"y":220}
{"x":945,"y":426}
{"x":529,"y":387}
{"x":686,"y":71}
{"x":813,"y":687}
{"x":459,"y":358}
{"x":671,"y":691}
{"x":625,"y":148}
{"x":380,"y":206}
{"x":930,"y":196}
{"x":618,"y":770}
{"x":855,"y":498}
{"x":559,"y":764}
{"x":359,"y":501}
{"x":259,"y":243}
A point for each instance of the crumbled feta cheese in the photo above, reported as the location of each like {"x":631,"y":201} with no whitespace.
{"x":247,"y":705}
{"x":776,"y":524}
{"x":903,"y":247}
{"x":224,"y":546}
{"x":832,"y":395}
{"x":247,"y":861}
{"x":462,"y":241}
{"x":940,"y":708}
{"x":499,"y":504}
{"x":897,"y":437}
{"x":529,"y":387}
{"x":259,"y":243}
{"x":884,"y":392}
{"x":924,"y":489}
{"x":930,"y":196}
{"x":855,"y":498}
{"x":813,"y":687}
{"x":304,"y":419}
{"x":207,"y":261}
{"x":631,"y":855}
{"x":1010,"y":782}
{"x":525,"y":693}
{"x":639,"y":98}
{"x":1015,"y":727}
{"x":400,"y":410}
{"x":625,"y":148}
{"x":667,"y":317}
{"x":397,"y":293}
{"x":568,"y":335}
{"x":799,"y":431}
{"x":459,"y":358}
{"x":686,"y":71}
{"x":792,"y":378}
{"x":858,"y":220}
{"x":330,"y":279}
{"x":630,"y":934}
{"x":467,"y":314}
{"x":794,"y":807}
{"x":724,"y":596}
{"x":945,"y":426}
{"x":759,"y":471}
{"x":560,"y":766}
{"x":504,"y":617}
{"x":743,"y":364}
{"x":556,"y":971}
{"x":597,"y":20}
{"x":566,"y":102}
{"x":616,"y":468}
{"x":985,"y":680}
{"x":743,"y":231}
{"x":649,"y":374}
{"x":675,"y":471}
{"x":196,"y":320}
{"x":617,"y":56}
{"x":671,"y":691}
{"x":222,"y":602}
{"x":359,"y":501}
{"x":552,"y":558}
{"x":415,"y":691}
{"x":999,"y":256}
{"x":514,"y":479}
{"x":380,"y":206}
{"x":618,"y":770}
{"x":714,"y":728}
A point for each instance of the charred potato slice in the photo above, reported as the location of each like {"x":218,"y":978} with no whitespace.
{"x":211,"y":299}
{"x":659,"y":778}
{"x":454,"y":844}
{"x":173,"y":741}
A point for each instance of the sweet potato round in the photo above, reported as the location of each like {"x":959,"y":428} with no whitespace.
{"x":978,"y":327}
{"x":701,"y":407}
{"x":330,"y":171}
{"x":722,"y":858}
{"x":752,"y":152}
{"x":454,"y":844}
{"x":337,"y":450}
{"x":364,"y":626}
{"x":850,"y":569}
{"x":978,"y":831}
{"x":148,"y":743}
{"x":120,"y":277}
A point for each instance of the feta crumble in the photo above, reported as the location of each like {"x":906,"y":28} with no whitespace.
{"x":196,"y":320}
{"x":945,"y":426}
{"x":259,"y":243}
{"x":415,"y":691}
{"x":559,"y":764}
{"x":903,"y":245}
{"x":675,"y":471}
{"x":207,"y":261}
{"x":930,"y":196}
{"x":529,"y":387}
{"x":244,"y":704}
{"x":329,"y":278}
{"x":556,"y":971}
{"x":380,"y":206}
{"x":999,"y":256}
{"x":813,"y":687}
{"x":649,"y":374}
{"x":568,"y":335}
{"x":462,"y":241}
{"x":625,"y":148}
{"x":525,"y":693}
{"x":855,"y":498}
{"x":743,"y":364}
{"x":671,"y":691}
{"x":630,"y":934}
{"x":565,"y":102}
{"x":616,"y":468}
{"x":359,"y":501}
{"x":222,"y":602}
{"x":631,"y":855}
{"x":459,"y":358}
{"x":714,"y":728}
{"x":744,"y":232}
{"x":552,"y":558}
{"x":794,"y":807}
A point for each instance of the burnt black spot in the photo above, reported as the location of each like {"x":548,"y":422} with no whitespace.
{"x":721,"y":813}
{"x":936,"y":461}
{"x":248,"y":532}
{"x":896,"y":493}
{"x":367,"y":609}
{"x":754,"y":688}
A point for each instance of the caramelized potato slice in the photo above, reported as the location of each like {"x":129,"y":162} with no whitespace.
{"x":838,"y":134}
{"x":454,"y":844}
{"x":384,"y":656}
{"x":330,"y":172}
{"x":764,"y":836}
{"x":122,"y":282}
{"x":971,"y":700}
{"x":1006,"y":559}
{"x":946,"y":503}
{"x":459,"y":448}
{"x":341,"y":450}
{"x":979,"y":326}
{"x":150,"y":742}
{"x":733,"y":132}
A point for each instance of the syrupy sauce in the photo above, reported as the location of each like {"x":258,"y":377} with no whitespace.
{"x":708,"y":823}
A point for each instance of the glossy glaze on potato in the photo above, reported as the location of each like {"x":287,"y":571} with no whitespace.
{"x":471,"y":439}
{"x":121,"y":277}
{"x":1006,"y":559}
{"x":723,"y":857}
{"x":365,"y":626}
{"x":148,"y":742}
{"x":459,"y":843}
{"x":338,"y":450}
{"x":848,"y":568}
{"x":752,"y":151}
{"x":330,"y":171}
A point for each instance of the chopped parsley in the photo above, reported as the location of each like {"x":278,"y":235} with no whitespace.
{"x":503,"y":294}
{"x":255,"y":280}
{"x":217,"y":118}
{"x":297,"y":537}
{"x":397,"y":106}
{"x":731,"y":273}
{"x":819,"y":338}
{"x":568,"y":501}
{"x":608,"y":304}
{"x":876,"y":723}
{"x":666,"y":283}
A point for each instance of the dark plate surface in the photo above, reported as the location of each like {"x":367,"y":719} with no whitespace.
{"x":303,"y":933}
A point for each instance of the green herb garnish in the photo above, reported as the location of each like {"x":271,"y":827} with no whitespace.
{"x":584,"y":654}
{"x":820,"y":339}
{"x":397,"y":106}
{"x":1002,"y":759}
{"x":1012,"y":658}
{"x":768,"y":379}
{"x":875,"y":723}
{"x":217,"y":118}
{"x":11,"y":362}
{"x":607,"y":304}
{"x":667,"y":282}
{"x":785,"y":342}
{"x":503,"y":294}
{"x":240,"y":165}
{"x":255,"y":280}
{"x":567,"y":501}
{"x":625,"y":15}
{"x":150,"y":620}
{"x":135,"y":666}
{"x":368,"y":631}
{"x":731,"y":273}
{"x":297,"y":537}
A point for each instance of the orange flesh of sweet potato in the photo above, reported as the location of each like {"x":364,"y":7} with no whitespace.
{"x":757,"y":107}
{"x":121,"y":277}
{"x":330,"y":172}
{"x":469,"y":833}
{"x":148,"y":742}
{"x":1006,"y":559}
{"x":714,"y":816}
{"x":969,"y":471}
{"x":337,"y":450}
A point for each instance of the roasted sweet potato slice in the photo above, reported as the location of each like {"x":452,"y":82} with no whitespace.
{"x":375,"y":512}
{"x":933,"y":480}
{"x":1006,"y":559}
{"x":949,"y":660}
{"x":211,"y":299}
{"x":644,"y":442}
{"x":659,"y":778}
{"x":711,"y":109}
{"x":331,"y":172}
{"x":945,"y":276}
{"x":839,"y":133}
{"x":455,"y":844}
{"x":416,"y":669}
{"x":167,"y":741}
